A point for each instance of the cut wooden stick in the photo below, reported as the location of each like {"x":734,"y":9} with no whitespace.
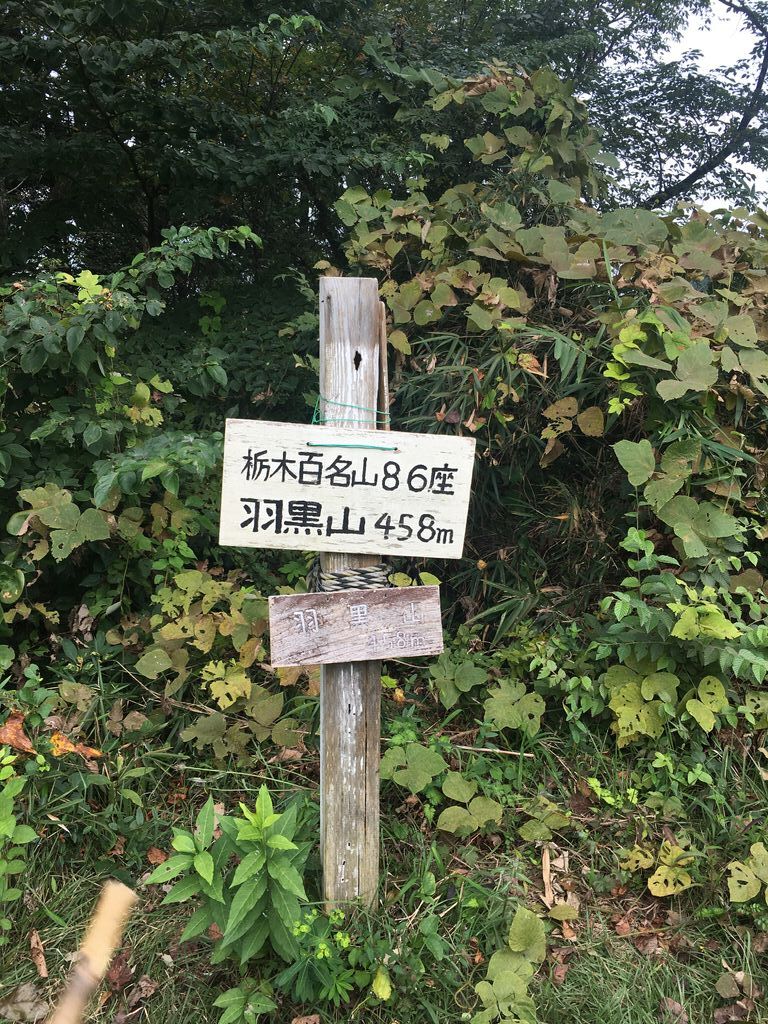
{"x":102,"y":938}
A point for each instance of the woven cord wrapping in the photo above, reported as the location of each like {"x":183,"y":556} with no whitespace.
{"x":368,"y":577}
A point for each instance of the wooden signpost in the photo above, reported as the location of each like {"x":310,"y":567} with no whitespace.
{"x":354,"y":625}
{"x":352,"y":492}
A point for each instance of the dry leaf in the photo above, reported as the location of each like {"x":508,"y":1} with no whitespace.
{"x":119,"y":973}
{"x":12,"y":734}
{"x":672,"y":1012}
{"x":314,"y":1018}
{"x":214,"y":932}
{"x":155,"y":856}
{"x":23,"y":1003}
{"x":733,"y":1011}
{"x":559,"y":973}
{"x":727,"y":987}
{"x":119,"y":848}
{"x":143,"y":989}
{"x":60,"y":746}
{"x":747,"y":985}
{"x":38,"y":953}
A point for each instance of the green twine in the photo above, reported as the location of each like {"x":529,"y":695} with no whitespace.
{"x":382,"y":418}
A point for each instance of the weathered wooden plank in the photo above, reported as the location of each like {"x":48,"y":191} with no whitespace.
{"x":336,"y":488}
{"x":354,"y":625}
{"x":350,"y":693}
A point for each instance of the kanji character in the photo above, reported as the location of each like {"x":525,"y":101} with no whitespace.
{"x":260,"y":516}
{"x":255,"y":465}
{"x":310,"y":467}
{"x":441,"y":480}
{"x":303,"y":515}
{"x":345,"y":527}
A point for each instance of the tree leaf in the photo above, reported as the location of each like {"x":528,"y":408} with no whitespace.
{"x":743,"y":883}
{"x":527,"y":935}
{"x":203,"y":864}
{"x":591,"y":421}
{"x":637,"y":458}
{"x":701,"y":713}
{"x":456,"y":787}
{"x":695,"y":372}
{"x":151,"y":664}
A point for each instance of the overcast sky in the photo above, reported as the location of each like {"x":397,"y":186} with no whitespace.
{"x":722,"y":42}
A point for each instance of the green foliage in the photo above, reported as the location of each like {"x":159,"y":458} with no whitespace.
{"x":504,"y":992}
{"x":244,"y":1004}
{"x":247,"y":881}
{"x":13,"y":839}
{"x":413,"y":766}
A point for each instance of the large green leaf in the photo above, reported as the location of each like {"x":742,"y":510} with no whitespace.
{"x":695,"y":372}
{"x":413,"y":766}
{"x":637,"y":459}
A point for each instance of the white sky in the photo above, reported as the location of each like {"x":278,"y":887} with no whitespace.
{"x":722,"y":42}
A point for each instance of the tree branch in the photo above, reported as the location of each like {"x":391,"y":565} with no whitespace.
{"x":742,"y":131}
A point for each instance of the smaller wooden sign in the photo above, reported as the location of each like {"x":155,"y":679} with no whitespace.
{"x":354,"y":625}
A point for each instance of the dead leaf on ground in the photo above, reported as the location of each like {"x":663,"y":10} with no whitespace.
{"x":314,"y":1018}
{"x":156,"y":856}
{"x":287,"y":754}
{"x":741,"y":1010}
{"x":559,"y":973}
{"x":12,"y":733}
{"x":119,"y":973}
{"x":747,"y":985}
{"x":119,"y":848}
{"x":38,"y":953}
{"x":623,"y":926}
{"x":214,"y":932}
{"x":61,"y":745}
{"x":24,"y":1003}
{"x":142,"y":990}
{"x":727,"y":987}
{"x":672,"y":1012}
{"x":648,"y":945}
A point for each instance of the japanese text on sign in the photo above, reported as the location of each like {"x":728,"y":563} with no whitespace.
{"x":355,"y":625}
{"x":287,"y":485}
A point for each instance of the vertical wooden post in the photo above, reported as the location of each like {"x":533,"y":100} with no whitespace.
{"x":350,"y":697}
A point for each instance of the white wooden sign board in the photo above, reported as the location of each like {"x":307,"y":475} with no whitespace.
{"x":326,"y":488}
{"x":354,"y":625}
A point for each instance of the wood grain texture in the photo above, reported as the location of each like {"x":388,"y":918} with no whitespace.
{"x":354,"y":625}
{"x":350,"y":693}
{"x":330,"y":488}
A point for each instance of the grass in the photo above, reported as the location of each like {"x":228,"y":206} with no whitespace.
{"x":627,"y":951}
{"x":610,"y":981}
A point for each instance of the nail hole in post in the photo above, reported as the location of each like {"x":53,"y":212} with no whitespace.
{"x":357,"y":360}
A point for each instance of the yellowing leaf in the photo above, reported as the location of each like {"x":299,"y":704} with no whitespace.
{"x":701,"y":713}
{"x":381,"y":985}
{"x":743,"y":884}
{"x":591,"y":421}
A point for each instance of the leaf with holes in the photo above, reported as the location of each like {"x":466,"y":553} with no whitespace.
{"x":510,"y":706}
{"x":743,"y":883}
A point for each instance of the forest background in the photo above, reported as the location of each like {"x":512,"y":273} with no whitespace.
{"x":575,"y":791}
